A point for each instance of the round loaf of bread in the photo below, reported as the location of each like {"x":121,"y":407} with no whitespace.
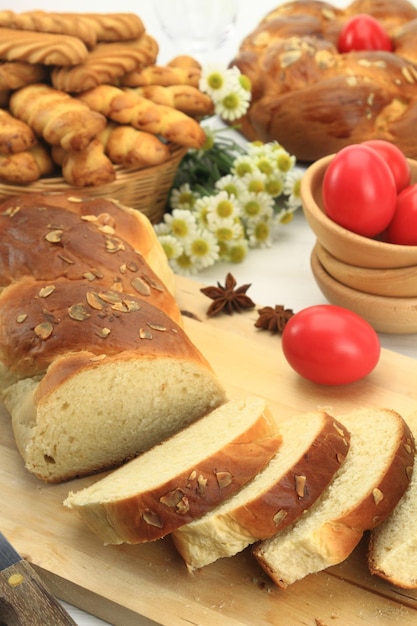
{"x":314,"y":100}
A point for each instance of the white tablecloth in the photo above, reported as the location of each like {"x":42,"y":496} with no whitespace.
{"x":278,"y":275}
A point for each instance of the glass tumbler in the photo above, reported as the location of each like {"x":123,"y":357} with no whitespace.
{"x":197,"y":27}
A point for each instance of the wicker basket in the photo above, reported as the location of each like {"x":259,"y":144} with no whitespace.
{"x":144,"y":189}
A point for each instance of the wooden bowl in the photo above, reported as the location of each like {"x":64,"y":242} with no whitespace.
{"x":385,"y":314}
{"x":341,"y":243}
{"x":397,"y":282}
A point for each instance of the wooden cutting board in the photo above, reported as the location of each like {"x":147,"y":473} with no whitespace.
{"x":118,"y":583}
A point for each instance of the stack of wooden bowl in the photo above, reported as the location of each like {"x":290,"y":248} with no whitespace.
{"x":377,"y":280}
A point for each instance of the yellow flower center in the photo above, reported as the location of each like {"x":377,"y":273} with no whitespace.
{"x":262,"y":231}
{"x":224,"y":234}
{"x":256,"y":185}
{"x":199,"y":247}
{"x":296,"y":190}
{"x":287,"y":218}
{"x":230,"y":102}
{"x":264,"y":165}
{"x":186,"y":198}
{"x":215,"y":80}
{"x":224,"y":208}
{"x":223,"y":249}
{"x":274,"y":187}
{"x":237,"y":254}
{"x":231,"y":189}
{"x":179,"y":228}
{"x":252,"y":208}
{"x":284,"y":162}
{"x":245,"y":83}
{"x":243,"y":168}
{"x":203,"y":216}
{"x":184,"y":261}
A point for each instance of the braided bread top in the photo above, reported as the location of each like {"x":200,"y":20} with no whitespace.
{"x":313,"y":99}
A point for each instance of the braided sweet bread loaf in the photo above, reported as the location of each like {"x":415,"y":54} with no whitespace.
{"x":95,"y":365}
{"x":315,"y":100}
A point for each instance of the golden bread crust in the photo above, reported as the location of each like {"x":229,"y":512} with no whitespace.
{"x":314,"y":100}
{"x":128,"y":224}
{"x":48,"y":243}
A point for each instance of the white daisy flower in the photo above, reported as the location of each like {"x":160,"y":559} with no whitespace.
{"x":236,"y":251}
{"x":224,"y":229}
{"x":233,"y":72}
{"x":268,"y":147}
{"x":162,"y":228}
{"x":232,"y":104}
{"x":275,"y":184}
{"x":230,"y":184}
{"x":238,"y":79}
{"x":254,"y":182}
{"x":242,"y":165}
{"x":256,"y":148}
{"x":203,"y":249}
{"x":264,"y":164}
{"x":171,"y":246}
{"x":201,"y":210}
{"x":259,"y":234}
{"x":183,"y":265}
{"x":223,"y":206}
{"x":181,"y":223}
{"x":285,"y":216}
{"x":276,"y":228}
{"x":214,"y":80}
{"x":292,"y":187}
{"x":254,"y":206}
{"x":183,"y":197}
{"x":284,"y":160}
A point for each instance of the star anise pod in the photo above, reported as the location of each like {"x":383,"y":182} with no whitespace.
{"x":228,"y":298}
{"x":274,"y":318}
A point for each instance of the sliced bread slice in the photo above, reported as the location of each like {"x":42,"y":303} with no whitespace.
{"x":365,"y":490}
{"x":392,"y":551}
{"x":313,"y":447}
{"x":183,"y":477}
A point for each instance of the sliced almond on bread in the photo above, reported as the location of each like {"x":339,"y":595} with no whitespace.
{"x":365,"y":490}
{"x":393,"y":544}
{"x":313,"y":447}
{"x":183,"y":477}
